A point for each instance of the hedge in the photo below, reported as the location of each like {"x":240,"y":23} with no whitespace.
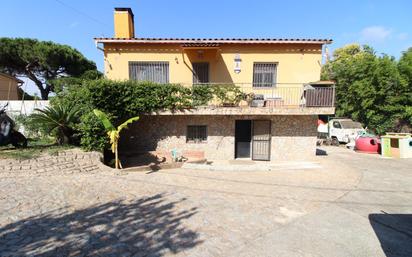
{"x":124,"y":99}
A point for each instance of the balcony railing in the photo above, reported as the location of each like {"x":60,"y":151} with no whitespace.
{"x":280,"y":95}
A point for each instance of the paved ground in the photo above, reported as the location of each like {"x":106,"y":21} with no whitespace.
{"x":355,"y":205}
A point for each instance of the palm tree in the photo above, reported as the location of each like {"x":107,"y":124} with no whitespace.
{"x":113,"y":133}
{"x":59,"y":119}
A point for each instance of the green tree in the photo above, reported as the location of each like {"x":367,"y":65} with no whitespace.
{"x":405,"y":70}
{"x":113,"y":133}
{"x":41,"y":61}
{"x":405,"y":66}
{"x":369,"y":88}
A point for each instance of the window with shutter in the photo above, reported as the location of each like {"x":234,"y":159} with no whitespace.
{"x":264,"y":74}
{"x":157,"y":72}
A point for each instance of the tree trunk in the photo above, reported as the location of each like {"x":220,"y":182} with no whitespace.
{"x":116,"y":158}
{"x":44,"y":91}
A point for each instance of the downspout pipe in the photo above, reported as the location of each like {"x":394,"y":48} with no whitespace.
{"x":98,"y":46}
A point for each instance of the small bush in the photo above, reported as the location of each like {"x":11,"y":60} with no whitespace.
{"x":92,"y":133}
{"x":229,"y":94}
{"x":202,"y":94}
{"x":59,"y":120}
{"x":31,"y":128}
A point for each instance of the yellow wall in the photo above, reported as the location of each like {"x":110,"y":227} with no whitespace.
{"x":297,"y":63}
{"x":8,"y":88}
{"x":123,"y":25}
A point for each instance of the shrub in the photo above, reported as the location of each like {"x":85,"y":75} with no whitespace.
{"x":58,"y":120}
{"x":121,"y":100}
{"x":229,"y":94}
{"x":92,"y":133}
{"x":133,"y":98}
{"x":202,"y":94}
{"x":31,"y":128}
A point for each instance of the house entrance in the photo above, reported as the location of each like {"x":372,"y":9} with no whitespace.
{"x":200,"y":72}
{"x":252,"y":139}
{"x":261,"y":140}
{"x":243,"y":138}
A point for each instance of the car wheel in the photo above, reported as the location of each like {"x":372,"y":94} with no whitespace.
{"x":335,"y":141}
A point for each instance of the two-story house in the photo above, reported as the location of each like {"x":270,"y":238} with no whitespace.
{"x":279,"y":123}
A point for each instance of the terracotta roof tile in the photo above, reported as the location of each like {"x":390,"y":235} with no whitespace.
{"x":214,"y":40}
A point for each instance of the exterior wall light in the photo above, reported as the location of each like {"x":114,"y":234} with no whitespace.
{"x":237,"y":60}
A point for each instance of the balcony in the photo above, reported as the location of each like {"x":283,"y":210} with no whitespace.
{"x":263,"y":99}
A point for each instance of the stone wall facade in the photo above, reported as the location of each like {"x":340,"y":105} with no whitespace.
{"x":293,"y":137}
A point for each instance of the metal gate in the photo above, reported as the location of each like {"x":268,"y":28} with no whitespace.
{"x":261,"y":140}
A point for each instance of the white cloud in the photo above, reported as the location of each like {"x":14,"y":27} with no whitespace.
{"x":375,"y":34}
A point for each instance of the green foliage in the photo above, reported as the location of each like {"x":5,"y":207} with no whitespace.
{"x":36,"y":147}
{"x":405,"y":66}
{"x":202,"y":94}
{"x":121,"y":100}
{"x":104,"y":119}
{"x":113,"y":133}
{"x":126,"y":123}
{"x":62,"y":83}
{"x":59,"y":120}
{"x":369,"y":88}
{"x":134,"y":98}
{"x":229,"y":94}
{"x":225,"y":94}
{"x":31,"y":128}
{"x":42,"y":61}
{"x":405,"y":70}
{"x":92,"y":133}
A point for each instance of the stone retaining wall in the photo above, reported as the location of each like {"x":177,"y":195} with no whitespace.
{"x":65,"y":162}
{"x":293,"y":137}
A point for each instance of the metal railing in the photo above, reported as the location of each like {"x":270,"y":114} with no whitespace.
{"x":279,"y":95}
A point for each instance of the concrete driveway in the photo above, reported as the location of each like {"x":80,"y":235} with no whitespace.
{"x":353,"y":205}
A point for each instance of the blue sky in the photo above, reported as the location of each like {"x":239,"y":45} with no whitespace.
{"x":385,"y":25}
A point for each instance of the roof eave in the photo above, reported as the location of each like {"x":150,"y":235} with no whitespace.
{"x":11,"y":77}
{"x":218,"y":41}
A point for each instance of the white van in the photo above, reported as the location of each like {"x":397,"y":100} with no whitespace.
{"x":341,"y":130}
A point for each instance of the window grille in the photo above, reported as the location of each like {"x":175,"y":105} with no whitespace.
{"x":157,"y":72}
{"x":196,"y":134}
{"x":264,"y":74}
{"x":200,"y":72}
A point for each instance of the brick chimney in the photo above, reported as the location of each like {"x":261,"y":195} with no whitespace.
{"x":123,"y":23}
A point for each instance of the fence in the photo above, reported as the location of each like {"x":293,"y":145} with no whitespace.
{"x":279,"y":95}
{"x":27,"y":107}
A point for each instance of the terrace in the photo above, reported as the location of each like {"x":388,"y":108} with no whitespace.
{"x":260,"y":99}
